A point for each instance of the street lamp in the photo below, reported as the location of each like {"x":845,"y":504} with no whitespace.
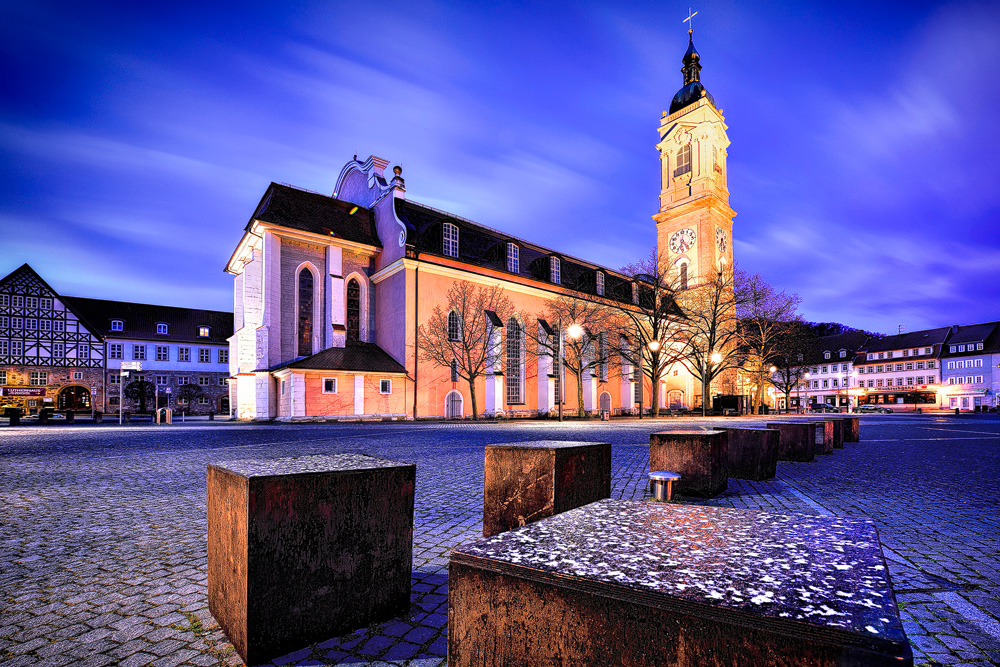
{"x":800,"y":392}
{"x":574,"y":331}
{"x":771,"y":388}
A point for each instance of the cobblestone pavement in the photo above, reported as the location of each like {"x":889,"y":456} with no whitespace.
{"x":103,"y":544}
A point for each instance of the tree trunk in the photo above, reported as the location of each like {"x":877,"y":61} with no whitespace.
{"x":579,"y":394}
{"x":472,"y":394}
{"x":706,"y":388}
{"x":654,"y":392}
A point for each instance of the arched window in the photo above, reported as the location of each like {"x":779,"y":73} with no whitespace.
{"x":684,"y":276}
{"x":515,"y":358}
{"x":353,"y":311}
{"x":683,"y":160}
{"x":305,"y":312}
{"x":454,"y":326}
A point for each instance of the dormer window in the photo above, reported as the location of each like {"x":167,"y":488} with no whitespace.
{"x":513,"y":258}
{"x":450,"y":240}
{"x":843,"y":353}
{"x":826,"y":355}
{"x":635,"y":293}
{"x":117,"y":325}
{"x":555,"y":270}
{"x":203,"y":332}
{"x":600,"y":283}
{"x":161,"y":328}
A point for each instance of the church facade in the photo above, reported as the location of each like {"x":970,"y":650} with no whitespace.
{"x":330,"y":291}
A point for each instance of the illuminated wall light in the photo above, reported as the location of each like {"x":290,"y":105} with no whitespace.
{"x":353,"y":211}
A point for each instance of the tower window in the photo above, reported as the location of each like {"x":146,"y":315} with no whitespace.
{"x":554,"y":270}
{"x":683,"y":161}
{"x":450,"y":242}
{"x":513,"y":258}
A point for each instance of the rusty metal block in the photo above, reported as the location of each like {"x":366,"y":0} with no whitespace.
{"x":797,"y":441}
{"x":753,"y":453}
{"x":701,"y":458}
{"x":304,"y":549}
{"x":646,"y":584}
{"x":528,"y":481}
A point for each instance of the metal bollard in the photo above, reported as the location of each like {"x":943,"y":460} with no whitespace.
{"x":662,"y":482}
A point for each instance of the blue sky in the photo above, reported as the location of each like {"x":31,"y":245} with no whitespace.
{"x":135,"y":141}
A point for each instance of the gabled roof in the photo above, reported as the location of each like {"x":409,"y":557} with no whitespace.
{"x":851,"y":341}
{"x":481,"y":246}
{"x":971,"y":333}
{"x":913,"y":339}
{"x":365,"y":357}
{"x":25,"y":272}
{"x":139,"y":320}
{"x":286,"y":206}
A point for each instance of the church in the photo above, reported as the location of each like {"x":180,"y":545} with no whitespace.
{"x":330,"y":291}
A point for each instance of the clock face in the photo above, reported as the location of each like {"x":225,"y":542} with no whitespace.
{"x":720,"y":239}
{"x":682,"y":240}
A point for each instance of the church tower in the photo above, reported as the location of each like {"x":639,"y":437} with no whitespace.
{"x":694,"y":227}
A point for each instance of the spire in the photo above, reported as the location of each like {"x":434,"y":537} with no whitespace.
{"x":692,"y":66}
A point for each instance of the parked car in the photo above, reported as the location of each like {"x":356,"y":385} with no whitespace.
{"x":868,"y":409}
{"x":822,"y":407}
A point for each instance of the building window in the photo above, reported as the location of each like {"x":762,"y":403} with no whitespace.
{"x":951,"y":380}
{"x":871,"y":383}
{"x":815,"y":384}
{"x":961,"y":348}
{"x":979,"y":363}
{"x":909,"y":381}
{"x":17,"y":301}
{"x":223,"y":356}
{"x":16,"y":348}
{"x":826,"y":355}
{"x":16,"y":323}
{"x":39,"y":378}
{"x":83,"y":351}
{"x":161,"y":328}
{"x":637,"y":385}
{"x":162,"y":353}
{"x":385,"y":386}
{"x":909,"y":366}
{"x":353,"y":311}
{"x":454,"y":326}
{"x":979,"y":346}
{"x":683,"y":161}
{"x":3,"y":376}
{"x":861,"y":369}
{"x":514,"y":356}
{"x":329,"y":385}
{"x":204,"y":355}
{"x":138,"y":352}
{"x":203,"y":332}
{"x":450,"y":240}
{"x":920,"y":365}
{"x":31,"y":302}
{"x":930,"y":364}
{"x":513,"y":258}
{"x":58,"y":350}
{"x":454,"y":370}
{"x":77,"y":375}
{"x":843,"y":353}
{"x":833,"y":382}
{"x":204,"y":381}
{"x":203,"y":400}
{"x":920,"y":379}
{"x":114,"y":378}
{"x":878,"y":383}
{"x":4,"y":301}
{"x":906,"y":353}
{"x":952,"y":349}
{"x":183,"y":380}
{"x":222,"y":382}
{"x":555,"y":270}
{"x":600,"y":283}
{"x":881,"y":355}
{"x":184,"y":354}
{"x":31,"y":324}
{"x":826,"y":384}
{"x":684,"y":276}
{"x":979,"y":379}
{"x":161,"y":380}
{"x":58,"y":325}
{"x":117,"y":325}
{"x":4,"y":322}
{"x":305,"y":306}
{"x":45,"y":325}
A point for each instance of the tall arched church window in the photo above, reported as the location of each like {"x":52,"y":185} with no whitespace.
{"x":683,"y":160}
{"x":305,"y":312}
{"x":454,"y":326}
{"x":515,"y":362}
{"x":353,"y":311}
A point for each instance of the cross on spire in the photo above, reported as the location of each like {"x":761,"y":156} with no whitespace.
{"x":688,"y":20}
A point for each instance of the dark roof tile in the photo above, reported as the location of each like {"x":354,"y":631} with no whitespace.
{"x":365,"y":357}
{"x":139,"y":320}
{"x":313,"y":212}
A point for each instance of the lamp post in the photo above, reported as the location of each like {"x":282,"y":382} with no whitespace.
{"x":801,"y":411}
{"x":771,"y":388}
{"x":715,"y":358}
{"x":574,"y":331}
{"x":654,"y":364}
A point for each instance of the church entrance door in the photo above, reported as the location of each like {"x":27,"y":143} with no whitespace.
{"x":453,"y":405}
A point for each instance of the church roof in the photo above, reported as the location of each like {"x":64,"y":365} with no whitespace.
{"x":317,"y":213}
{"x":359,"y":356}
{"x":139,"y":320}
{"x":484,"y":247}
{"x":693,"y":89}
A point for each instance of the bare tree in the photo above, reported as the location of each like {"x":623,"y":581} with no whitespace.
{"x":465,"y":338}
{"x":766,"y":316}
{"x":649,"y":317}
{"x":710,"y":331}
{"x":796,"y":342}
{"x":585,"y":348}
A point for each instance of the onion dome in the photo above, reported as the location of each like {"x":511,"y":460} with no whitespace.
{"x":693,"y":89}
